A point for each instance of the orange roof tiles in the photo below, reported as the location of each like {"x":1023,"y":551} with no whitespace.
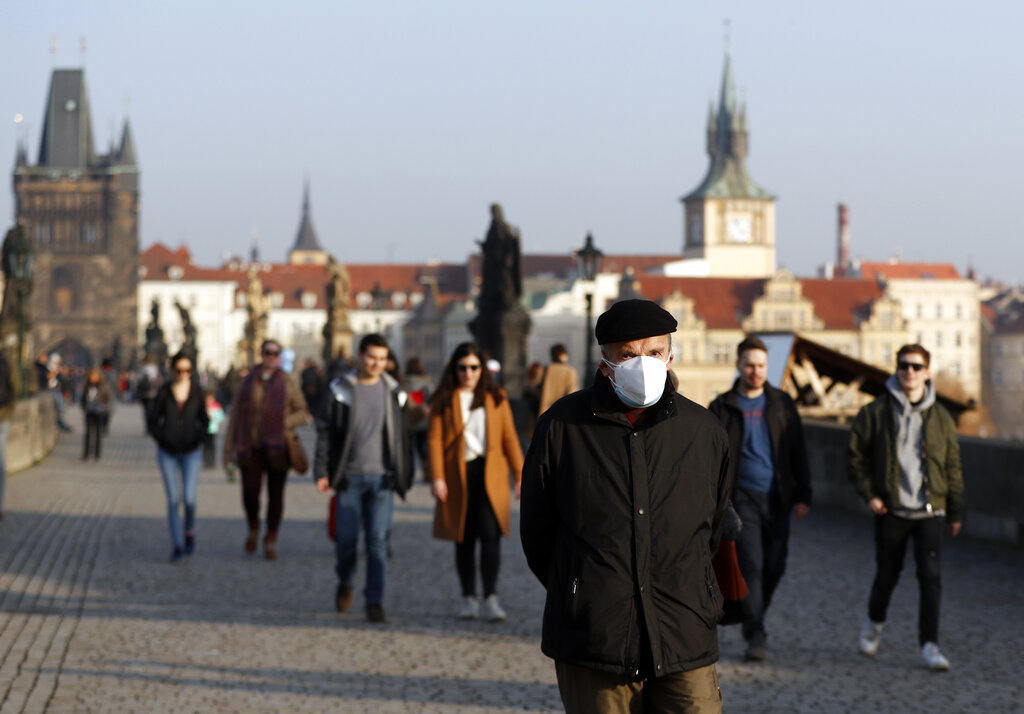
{"x":918,"y":271}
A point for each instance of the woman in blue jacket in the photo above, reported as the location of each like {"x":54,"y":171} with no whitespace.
{"x":178,"y":422}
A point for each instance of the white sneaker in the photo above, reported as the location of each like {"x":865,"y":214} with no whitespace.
{"x":933,"y":658}
{"x":470,"y":608}
{"x":870,"y":636}
{"x":491,"y":610}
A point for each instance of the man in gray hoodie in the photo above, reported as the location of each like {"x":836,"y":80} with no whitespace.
{"x":904,"y":459}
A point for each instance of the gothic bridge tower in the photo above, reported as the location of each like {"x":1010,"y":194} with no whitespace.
{"x":82,"y":211}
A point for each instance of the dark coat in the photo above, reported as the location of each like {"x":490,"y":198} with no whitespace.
{"x":786,"y":432}
{"x":619,"y":523}
{"x":178,"y":431}
{"x":873,"y":467}
{"x":333,"y":436}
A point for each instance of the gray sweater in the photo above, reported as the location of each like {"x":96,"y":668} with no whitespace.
{"x":908,"y":422}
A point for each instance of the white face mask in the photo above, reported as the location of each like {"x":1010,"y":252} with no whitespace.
{"x":639,"y":381}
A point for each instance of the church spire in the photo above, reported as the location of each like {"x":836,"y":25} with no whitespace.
{"x":307,"y":248}
{"x":727,"y":147}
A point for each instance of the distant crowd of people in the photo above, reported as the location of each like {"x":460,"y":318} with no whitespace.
{"x":645,"y":516}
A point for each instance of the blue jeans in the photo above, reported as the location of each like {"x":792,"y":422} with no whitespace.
{"x":188,"y":465}
{"x":5,"y":429}
{"x":366,"y":501}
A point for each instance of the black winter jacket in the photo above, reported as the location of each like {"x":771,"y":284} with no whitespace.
{"x":178,"y":431}
{"x":786,"y":431}
{"x":333,"y":437}
{"x":619,"y":523}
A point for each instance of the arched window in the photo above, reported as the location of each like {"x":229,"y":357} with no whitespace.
{"x":62,"y":297}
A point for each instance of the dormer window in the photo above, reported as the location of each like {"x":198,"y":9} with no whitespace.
{"x":415,"y":299}
{"x":276,"y":300}
{"x":364,"y":299}
{"x":308,"y":300}
{"x":175,"y":272}
{"x":398,"y":299}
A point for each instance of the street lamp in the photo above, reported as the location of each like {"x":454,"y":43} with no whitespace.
{"x":377,"y":296}
{"x":589,"y":263}
{"x":18,"y":258}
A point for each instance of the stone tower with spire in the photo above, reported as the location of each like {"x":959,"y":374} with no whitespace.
{"x":81,"y":210}
{"x":729,"y":221}
{"x":307,"y":249}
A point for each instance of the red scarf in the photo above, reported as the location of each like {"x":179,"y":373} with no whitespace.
{"x":270,"y":417}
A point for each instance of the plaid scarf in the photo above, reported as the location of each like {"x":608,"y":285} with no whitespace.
{"x":268,"y":413}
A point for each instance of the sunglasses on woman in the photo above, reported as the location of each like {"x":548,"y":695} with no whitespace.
{"x":468,"y":367}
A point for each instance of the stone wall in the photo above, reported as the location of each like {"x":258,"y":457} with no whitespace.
{"x":33,"y":432}
{"x":993,"y":481}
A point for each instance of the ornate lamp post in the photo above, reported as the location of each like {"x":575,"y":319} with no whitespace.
{"x":377,"y":296}
{"x":589,"y":263}
{"x":18,"y":260}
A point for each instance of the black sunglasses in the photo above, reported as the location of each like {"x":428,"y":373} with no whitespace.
{"x":468,"y":367}
{"x":271,"y":353}
{"x":904,"y":366}
{"x":187,"y":370}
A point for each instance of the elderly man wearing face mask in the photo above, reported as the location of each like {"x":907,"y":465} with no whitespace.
{"x":624,"y":490}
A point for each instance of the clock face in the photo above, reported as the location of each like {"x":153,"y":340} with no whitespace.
{"x":70,"y":105}
{"x":737,"y":228}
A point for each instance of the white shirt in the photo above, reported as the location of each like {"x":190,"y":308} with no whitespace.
{"x":475,"y":427}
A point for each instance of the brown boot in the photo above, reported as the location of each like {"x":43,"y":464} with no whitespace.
{"x":270,"y":546}
{"x":251,"y":540}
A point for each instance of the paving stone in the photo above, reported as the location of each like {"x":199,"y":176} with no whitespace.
{"x":94,"y":619}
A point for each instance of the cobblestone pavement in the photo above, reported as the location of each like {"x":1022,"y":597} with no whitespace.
{"x":94,"y":619}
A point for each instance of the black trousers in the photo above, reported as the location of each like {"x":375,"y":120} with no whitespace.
{"x":482,"y":525}
{"x":94,"y":424}
{"x":761,"y":549}
{"x":253,"y":467}
{"x":891,"y":536}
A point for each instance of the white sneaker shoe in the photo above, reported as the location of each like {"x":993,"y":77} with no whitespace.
{"x":491,"y":610}
{"x":933,"y":658}
{"x":470,"y":608}
{"x":870,"y":636}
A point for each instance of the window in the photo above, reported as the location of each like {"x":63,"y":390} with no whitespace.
{"x":309,"y":300}
{"x":920,"y":310}
{"x":938,"y":339}
{"x":958,"y":340}
{"x":886,"y":354}
{"x":959,"y":311}
{"x":938,"y":311}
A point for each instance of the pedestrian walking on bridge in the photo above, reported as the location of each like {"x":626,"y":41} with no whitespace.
{"x":904,"y":459}
{"x":178,"y":422}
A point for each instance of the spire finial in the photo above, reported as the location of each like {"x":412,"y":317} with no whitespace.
{"x":728,"y":36}
{"x":81,"y":48}
{"x":53,"y":50}
{"x":305,"y":193}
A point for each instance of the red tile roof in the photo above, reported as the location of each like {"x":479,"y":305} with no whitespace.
{"x":919,"y":271}
{"x":723,"y":303}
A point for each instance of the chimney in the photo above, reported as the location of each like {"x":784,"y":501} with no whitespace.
{"x":843,"y":256}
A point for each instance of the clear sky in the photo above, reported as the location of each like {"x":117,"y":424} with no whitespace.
{"x":576,"y":115}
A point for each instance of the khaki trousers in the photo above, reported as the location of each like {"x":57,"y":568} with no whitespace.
{"x":590,"y":691}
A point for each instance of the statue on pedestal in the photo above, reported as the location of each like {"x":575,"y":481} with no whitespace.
{"x":188,"y":345}
{"x":155,"y":347}
{"x":337,"y":330}
{"x":501,"y":325}
{"x":257,"y":310}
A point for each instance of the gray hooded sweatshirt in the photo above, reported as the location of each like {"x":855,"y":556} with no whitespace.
{"x":908,"y":421}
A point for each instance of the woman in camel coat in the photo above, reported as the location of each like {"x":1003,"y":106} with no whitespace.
{"x":472,"y":446}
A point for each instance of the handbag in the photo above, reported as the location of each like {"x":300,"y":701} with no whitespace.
{"x":332,"y":518}
{"x":730,"y":582}
{"x":296,"y":453}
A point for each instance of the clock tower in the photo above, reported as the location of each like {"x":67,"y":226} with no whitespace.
{"x":729,"y":221}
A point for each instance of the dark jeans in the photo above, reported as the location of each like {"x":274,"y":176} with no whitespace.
{"x":93,"y":434}
{"x":891,"y":536}
{"x":253,"y":467}
{"x":761,"y":550}
{"x":209,"y":451}
{"x":482,"y":525}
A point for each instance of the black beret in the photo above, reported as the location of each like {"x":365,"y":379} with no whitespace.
{"x":629,"y":320}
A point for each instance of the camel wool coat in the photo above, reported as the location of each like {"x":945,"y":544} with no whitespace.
{"x":446,"y":453}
